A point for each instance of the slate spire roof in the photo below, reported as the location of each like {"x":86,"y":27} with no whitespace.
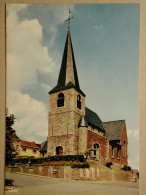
{"x":68,"y":76}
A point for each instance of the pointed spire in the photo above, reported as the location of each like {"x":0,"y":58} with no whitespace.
{"x":83,"y":122}
{"x":68,"y":76}
{"x":68,"y":72}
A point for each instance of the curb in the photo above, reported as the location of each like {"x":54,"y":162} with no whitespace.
{"x":47,"y":177}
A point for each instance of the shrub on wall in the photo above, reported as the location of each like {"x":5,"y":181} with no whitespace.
{"x":109,"y":164}
{"x":80,"y":165}
{"x":79,"y":158}
{"x":126,"y":168}
{"x":56,"y":158}
{"x":20,"y":159}
{"x":74,"y":164}
{"x":56,"y":163}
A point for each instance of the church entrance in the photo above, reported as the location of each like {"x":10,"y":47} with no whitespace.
{"x":59,"y":150}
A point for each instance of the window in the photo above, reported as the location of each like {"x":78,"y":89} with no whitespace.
{"x":112,"y":151}
{"x":118,"y":153}
{"x":17,"y":146}
{"x":34,"y":151}
{"x":96,"y":147}
{"x":124,"y":149}
{"x":60,"y":100}
{"x":24,"y":149}
{"x":79,"y":102}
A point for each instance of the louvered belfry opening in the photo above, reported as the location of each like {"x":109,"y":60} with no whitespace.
{"x":60,"y":100}
{"x":79,"y":102}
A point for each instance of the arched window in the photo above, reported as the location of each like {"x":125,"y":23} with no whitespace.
{"x":60,"y":100}
{"x":96,"y":147}
{"x":79,"y":102}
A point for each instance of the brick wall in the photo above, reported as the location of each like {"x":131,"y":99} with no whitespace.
{"x":101,"y":140}
{"x":123,"y":155}
{"x":114,"y":158}
{"x":124,"y":158}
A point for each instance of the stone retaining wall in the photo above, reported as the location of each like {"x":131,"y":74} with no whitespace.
{"x":95,"y":173}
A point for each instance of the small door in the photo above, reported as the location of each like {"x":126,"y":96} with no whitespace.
{"x":59,"y":150}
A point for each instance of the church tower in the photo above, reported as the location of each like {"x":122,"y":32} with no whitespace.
{"x":66,"y":107}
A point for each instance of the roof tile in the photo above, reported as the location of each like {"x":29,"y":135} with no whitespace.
{"x":29,"y":144}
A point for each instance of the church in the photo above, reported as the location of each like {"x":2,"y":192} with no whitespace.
{"x":75,"y":129}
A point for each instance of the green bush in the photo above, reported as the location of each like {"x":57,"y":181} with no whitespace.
{"x":21,"y":159}
{"x":109,"y":164}
{"x":126,"y":168}
{"x":25,"y":160}
{"x":79,"y":158}
{"x":80,"y":165}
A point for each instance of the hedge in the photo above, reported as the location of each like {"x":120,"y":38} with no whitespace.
{"x":32,"y":160}
{"x":126,"y":168}
{"x":21,"y":159}
{"x":73,"y":164}
{"x":80,"y":165}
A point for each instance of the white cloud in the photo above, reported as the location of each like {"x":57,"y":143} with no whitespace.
{"x":98,"y":27}
{"x":30,"y":114}
{"x":25,"y":54}
{"x":133,"y":159}
{"x":15,"y":7}
{"x":46,"y":87}
{"x":133,"y":162}
{"x":26,"y":57}
{"x":56,"y":15}
{"x":136,"y":134}
{"x":133,"y":133}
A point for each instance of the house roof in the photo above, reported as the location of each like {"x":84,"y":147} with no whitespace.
{"x":114,"y":129}
{"x":68,"y":77}
{"x":14,"y":136}
{"x":93,"y":118}
{"x":29,"y":144}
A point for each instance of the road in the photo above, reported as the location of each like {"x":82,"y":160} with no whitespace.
{"x":37,"y":185}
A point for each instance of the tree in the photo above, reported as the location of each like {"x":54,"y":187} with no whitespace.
{"x":10,"y":120}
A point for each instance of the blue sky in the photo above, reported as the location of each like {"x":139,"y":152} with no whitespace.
{"x":105,"y":40}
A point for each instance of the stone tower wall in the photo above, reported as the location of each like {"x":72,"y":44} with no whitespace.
{"x":82,"y":140}
{"x":63,"y":121}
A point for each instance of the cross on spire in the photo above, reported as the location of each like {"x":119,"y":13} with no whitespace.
{"x":69,"y":18}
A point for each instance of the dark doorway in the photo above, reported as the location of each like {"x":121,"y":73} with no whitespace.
{"x":59,"y":150}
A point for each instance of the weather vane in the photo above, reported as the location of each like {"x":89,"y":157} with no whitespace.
{"x":69,"y":18}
